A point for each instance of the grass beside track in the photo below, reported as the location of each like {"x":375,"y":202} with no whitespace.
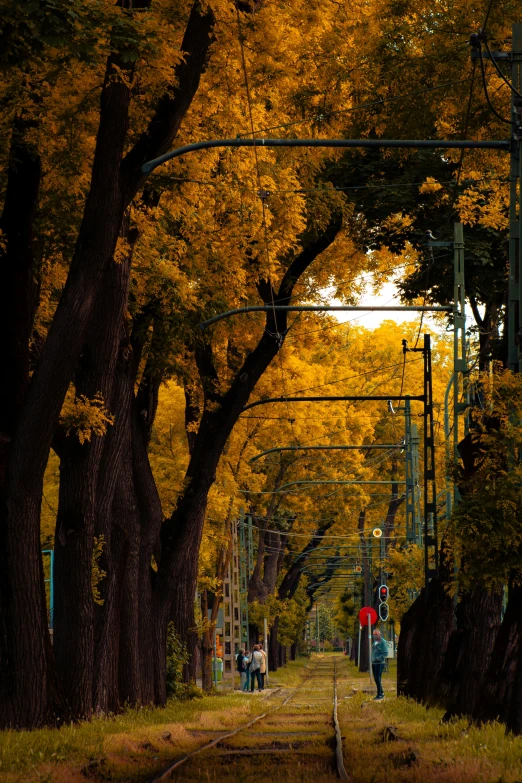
{"x":116,"y":748}
{"x":133,"y":746}
{"x":427,"y":750}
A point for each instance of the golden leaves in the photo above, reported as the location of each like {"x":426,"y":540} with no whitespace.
{"x":97,"y":573}
{"x":430,"y":186}
{"x":84,"y":417}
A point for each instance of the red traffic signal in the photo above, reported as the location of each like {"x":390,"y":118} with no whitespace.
{"x":383,"y":593}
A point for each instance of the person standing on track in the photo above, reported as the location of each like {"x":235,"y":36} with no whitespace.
{"x":262,"y":670}
{"x":255,"y":667}
{"x":379,"y":657}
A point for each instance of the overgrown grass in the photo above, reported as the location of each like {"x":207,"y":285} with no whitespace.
{"x":132,"y":746}
{"x":427,"y":749}
{"x":79,"y":744}
{"x":290,"y":675}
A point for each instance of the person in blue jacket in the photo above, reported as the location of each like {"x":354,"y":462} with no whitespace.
{"x":379,"y":656}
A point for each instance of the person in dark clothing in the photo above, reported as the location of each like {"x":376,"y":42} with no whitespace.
{"x":379,"y":656}
{"x":242,"y":669}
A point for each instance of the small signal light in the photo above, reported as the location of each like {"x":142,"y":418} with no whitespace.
{"x":383,"y":594}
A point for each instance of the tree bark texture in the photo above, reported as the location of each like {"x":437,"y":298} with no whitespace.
{"x":26,"y":699}
{"x":469,"y":650}
{"x":18,"y":301}
{"x":425,"y":631}
{"x":500,"y":687}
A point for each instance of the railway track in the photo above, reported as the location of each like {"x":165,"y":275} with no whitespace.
{"x":298,"y":739}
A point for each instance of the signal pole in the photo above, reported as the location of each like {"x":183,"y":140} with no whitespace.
{"x":515,"y":213}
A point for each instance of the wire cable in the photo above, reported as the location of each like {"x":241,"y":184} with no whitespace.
{"x":366,"y":105}
{"x":486,"y":93}
{"x":486,"y":18}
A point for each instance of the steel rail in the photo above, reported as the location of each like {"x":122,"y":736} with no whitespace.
{"x":326,"y":308}
{"x":339,"y":398}
{"x":441,"y":144}
{"x":326,"y":448}
{"x":338,"y":737}
{"x":167,"y":771}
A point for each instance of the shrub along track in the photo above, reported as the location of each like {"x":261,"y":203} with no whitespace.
{"x":297,"y":740}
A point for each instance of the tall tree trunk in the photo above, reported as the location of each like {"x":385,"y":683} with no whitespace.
{"x":207,"y":648}
{"x":113,"y":186}
{"x":469,"y":650}
{"x":127,"y":520}
{"x":107,"y":616}
{"x":82,"y":504}
{"x":181,"y":535}
{"x":27,"y":661}
{"x":425,"y":631}
{"x":500,"y":685}
{"x":18,"y":301}
{"x":273,"y":646}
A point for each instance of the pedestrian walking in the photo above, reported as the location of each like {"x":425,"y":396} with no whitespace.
{"x":255,"y":666}
{"x":379,"y":656}
{"x":262,"y":670}
{"x":242,"y":669}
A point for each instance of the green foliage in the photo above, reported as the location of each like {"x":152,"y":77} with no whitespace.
{"x":405,"y":567}
{"x":177,"y":657}
{"x":485,"y":530}
{"x":346,"y":613}
{"x":326,"y":622}
{"x":291,"y":622}
{"x":270,"y":608}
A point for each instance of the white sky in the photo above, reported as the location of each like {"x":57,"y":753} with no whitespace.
{"x":387,"y":295}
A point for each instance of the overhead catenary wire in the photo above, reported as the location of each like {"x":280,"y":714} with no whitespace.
{"x":497,"y":67}
{"x":367,"y":105}
{"x":485,"y":86}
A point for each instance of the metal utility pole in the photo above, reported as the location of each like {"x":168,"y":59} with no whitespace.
{"x":412,"y":441}
{"x":515,"y":213}
{"x":431,"y":548}
{"x":243,"y":581}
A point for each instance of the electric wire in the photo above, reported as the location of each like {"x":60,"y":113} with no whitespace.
{"x":373,"y":371}
{"x":485,"y":86}
{"x":366,"y":105}
{"x":486,"y":17}
{"x":498,"y":69}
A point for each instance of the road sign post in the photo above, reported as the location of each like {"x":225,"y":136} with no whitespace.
{"x":368,"y":617}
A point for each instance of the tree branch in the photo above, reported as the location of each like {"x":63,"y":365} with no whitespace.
{"x":175,"y":101}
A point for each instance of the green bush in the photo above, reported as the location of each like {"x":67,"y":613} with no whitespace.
{"x":177,"y":657}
